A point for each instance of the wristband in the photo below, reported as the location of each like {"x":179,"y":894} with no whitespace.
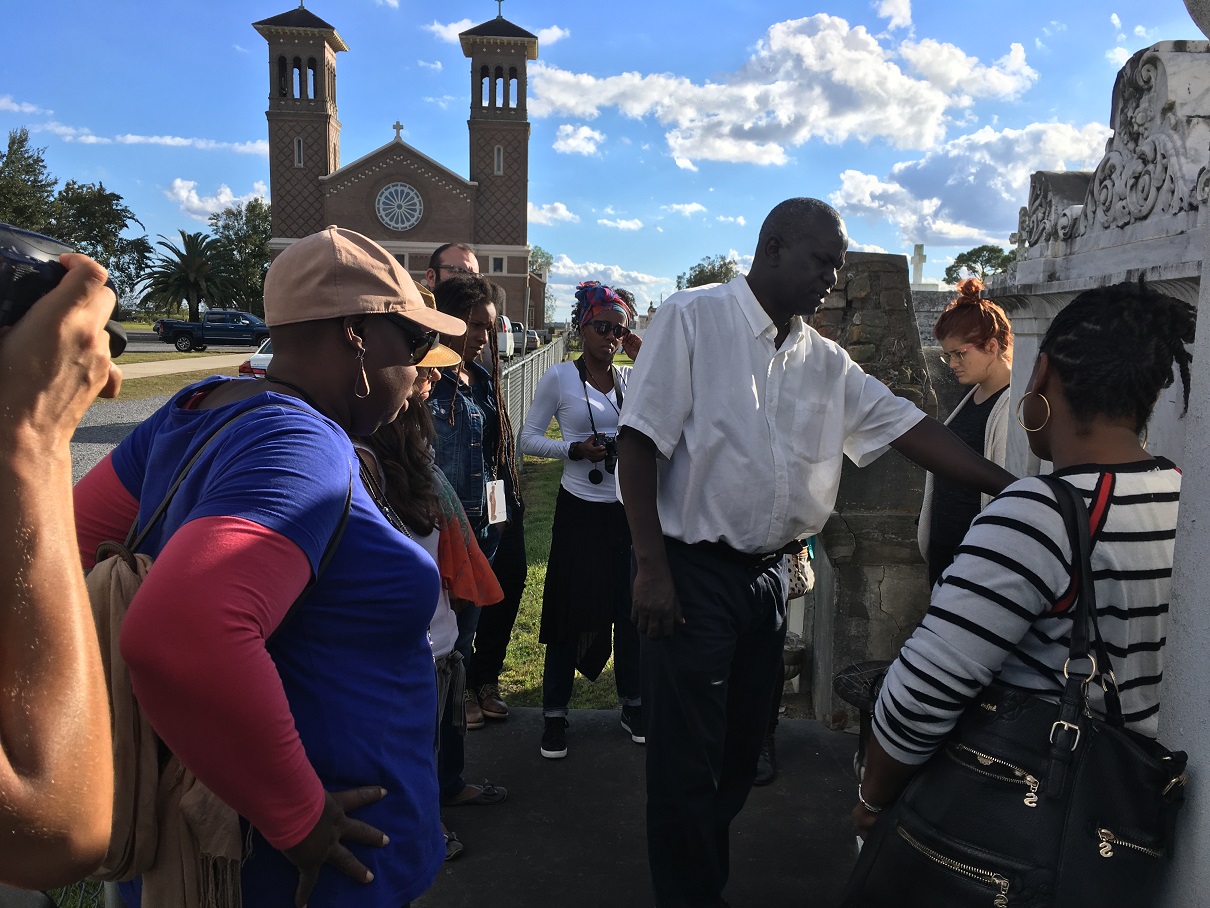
{"x":866,"y":804}
{"x":571,"y":452}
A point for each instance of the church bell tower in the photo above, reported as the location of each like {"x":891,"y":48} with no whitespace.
{"x":304,"y":133}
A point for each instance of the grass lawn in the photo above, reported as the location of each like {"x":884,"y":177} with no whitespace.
{"x":157,"y":385}
{"x":166,"y":355}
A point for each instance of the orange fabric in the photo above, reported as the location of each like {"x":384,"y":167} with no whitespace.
{"x":466,"y":573}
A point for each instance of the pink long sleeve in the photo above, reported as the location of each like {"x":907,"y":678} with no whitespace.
{"x":105,"y":510}
{"x":194,"y":639}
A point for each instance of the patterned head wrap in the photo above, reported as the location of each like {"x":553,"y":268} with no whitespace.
{"x":594,"y":298}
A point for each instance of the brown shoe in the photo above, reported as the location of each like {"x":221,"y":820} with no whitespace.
{"x":474,"y":715}
{"x":491,"y":704}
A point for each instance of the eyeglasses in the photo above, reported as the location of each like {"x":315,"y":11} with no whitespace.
{"x":458,"y":269}
{"x":603,"y":328}
{"x":955,"y":357}
{"x":421,"y":341}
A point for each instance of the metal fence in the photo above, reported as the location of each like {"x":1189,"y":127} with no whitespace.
{"x":519,"y":379}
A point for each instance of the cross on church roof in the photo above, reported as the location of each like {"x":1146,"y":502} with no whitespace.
{"x":499,"y":9}
{"x":398,"y":127}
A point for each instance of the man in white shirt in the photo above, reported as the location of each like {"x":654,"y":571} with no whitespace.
{"x":731,"y":442}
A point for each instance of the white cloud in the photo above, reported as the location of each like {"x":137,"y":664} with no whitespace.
{"x":620,"y":224}
{"x":738,"y":219}
{"x":969,"y":190}
{"x":550,"y":214}
{"x":898,"y":11}
{"x":565,"y":274}
{"x":1053,"y":28}
{"x":449,"y":32}
{"x":950,"y":69}
{"x":862,"y":247}
{"x":1143,"y":32}
{"x":8,"y":105}
{"x":393,"y":4}
{"x":688,"y":210}
{"x":577,"y":140}
{"x":1116,"y":20}
{"x":435,"y":66}
{"x":1117,"y":56}
{"x":812,"y":78}
{"x":185,"y":194}
{"x":548,"y":36}
{"x":258,"y":147}
{"x":445,"y":100}
{"x":240,"y":49}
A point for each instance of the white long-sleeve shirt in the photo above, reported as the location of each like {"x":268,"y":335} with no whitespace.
{"x":562,"y":396}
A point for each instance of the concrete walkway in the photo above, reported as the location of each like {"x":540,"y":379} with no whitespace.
{"x":222,"y":364}
{"x":572,"y":831}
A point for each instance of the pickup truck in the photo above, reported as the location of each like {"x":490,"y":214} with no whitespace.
{"x":224,"y":327}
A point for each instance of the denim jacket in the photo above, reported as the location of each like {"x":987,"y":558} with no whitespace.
{"x":460,"y":453}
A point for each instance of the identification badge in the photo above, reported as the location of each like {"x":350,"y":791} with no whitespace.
{"x":497,"y":505}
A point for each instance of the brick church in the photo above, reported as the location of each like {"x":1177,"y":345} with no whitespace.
{"x":397,"y":195}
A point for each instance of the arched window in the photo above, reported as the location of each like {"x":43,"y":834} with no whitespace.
{"x":313,"y":78}
{"x":283,"y":86}
{"x":298,"y":152}
{"x":499,"y":96}
{"x":499,"y":160}
{"x":484,"y":86}
{"x":512,"y":87}
{"x":296,"y":77}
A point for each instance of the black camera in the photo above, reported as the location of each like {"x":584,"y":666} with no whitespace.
{"x":29,"y":269}
{"x":610,"y":443}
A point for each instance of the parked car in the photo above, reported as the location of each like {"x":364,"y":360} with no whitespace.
{"x":218,"y":326}
{"x":504,"y":338}
{"x":519,"y":337}
{"x":531,"y":340}
{"x":258,"y":363}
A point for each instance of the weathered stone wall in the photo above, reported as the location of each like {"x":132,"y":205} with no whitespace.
{"x":871,"y":585}
{"x":929,"y":304}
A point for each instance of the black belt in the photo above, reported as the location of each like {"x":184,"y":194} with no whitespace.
{"x":758,"y":561}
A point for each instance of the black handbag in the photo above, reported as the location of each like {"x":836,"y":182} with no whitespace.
{"x":1033,"y":803}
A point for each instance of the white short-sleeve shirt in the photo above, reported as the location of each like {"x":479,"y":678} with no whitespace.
{"x":751,"y":435}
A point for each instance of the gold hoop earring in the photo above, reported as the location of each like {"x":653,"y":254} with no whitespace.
{"x":360,"y":380}
{"x":1021,"y":402}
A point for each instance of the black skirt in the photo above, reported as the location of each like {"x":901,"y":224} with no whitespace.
{"x":587,"y":579}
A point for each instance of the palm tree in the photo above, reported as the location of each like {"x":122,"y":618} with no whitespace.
{"x":193,"y":272}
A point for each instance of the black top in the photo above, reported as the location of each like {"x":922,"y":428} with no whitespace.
{"x":955,"y":506}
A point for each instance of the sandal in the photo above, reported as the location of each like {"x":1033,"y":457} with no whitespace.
{"x":453,"y":847}
{"x":485,"y":794}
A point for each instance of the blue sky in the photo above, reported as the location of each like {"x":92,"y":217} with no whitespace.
{"x":661,"y":132}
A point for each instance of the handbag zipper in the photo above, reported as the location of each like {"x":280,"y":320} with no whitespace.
{"x":970,"y":872}
{"x":1020,"y":776}
{"x":1108,"y":840}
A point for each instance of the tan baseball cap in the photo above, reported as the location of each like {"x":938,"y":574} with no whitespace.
{"x":339,"y":272}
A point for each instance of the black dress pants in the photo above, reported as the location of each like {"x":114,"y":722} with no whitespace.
{"x":496,"y":621}
{"x":707,"y":694}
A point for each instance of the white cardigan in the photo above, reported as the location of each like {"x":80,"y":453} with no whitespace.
{"x":995,"y":449}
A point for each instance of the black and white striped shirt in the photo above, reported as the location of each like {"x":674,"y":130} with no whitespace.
{"x":988,"y":617}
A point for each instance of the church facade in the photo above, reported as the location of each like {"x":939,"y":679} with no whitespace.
{"x":395,"y":194}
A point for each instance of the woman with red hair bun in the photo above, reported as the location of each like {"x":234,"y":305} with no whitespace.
{"x":977,"y":345}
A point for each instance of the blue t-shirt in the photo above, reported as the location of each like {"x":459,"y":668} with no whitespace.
{"x":354,"y":657}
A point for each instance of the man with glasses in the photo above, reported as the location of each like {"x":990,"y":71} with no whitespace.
{"x":451,"y":260}
{"x":721,"y":471}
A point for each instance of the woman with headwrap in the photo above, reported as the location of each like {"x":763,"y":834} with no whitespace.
{"x":586,"y":598}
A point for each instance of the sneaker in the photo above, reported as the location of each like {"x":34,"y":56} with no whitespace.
{"x":554,"y":738}
{"x":633,"y":722}
{"x":766,"y":763}
{"x":474,"y":715}
{"x":491,"y":704}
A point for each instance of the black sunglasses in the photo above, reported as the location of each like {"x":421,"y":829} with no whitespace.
{"x":603,"y":328}
{"x":421,"y":341}
{"x":458,"y":269}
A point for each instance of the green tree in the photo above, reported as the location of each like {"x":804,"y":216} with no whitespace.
{"x":92,"y":219}
{"x":979,"y":262}
{"x":539,"y":263}
{"x":192,"y":272}
{"x":242,"y":234}
{"x":716,"y":270}
{"x":27,"y":190}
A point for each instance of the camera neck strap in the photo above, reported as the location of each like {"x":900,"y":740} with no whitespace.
{"x":583,"y":370}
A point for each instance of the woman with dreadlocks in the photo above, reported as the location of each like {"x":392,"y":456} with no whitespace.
{"x":586,"y":599}
{"x":998,"y":612}
{"x":475,"y":452}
